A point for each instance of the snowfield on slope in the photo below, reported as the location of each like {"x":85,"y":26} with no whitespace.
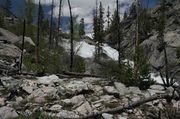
{"x":86,"y":50}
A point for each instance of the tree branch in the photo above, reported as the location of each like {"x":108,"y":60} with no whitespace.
{"x":121,"y":109}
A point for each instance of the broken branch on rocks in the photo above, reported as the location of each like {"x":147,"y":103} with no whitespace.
{"x":82,"y":75}
{"x":128,"y":106}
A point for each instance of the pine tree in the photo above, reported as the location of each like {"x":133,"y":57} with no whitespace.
{"x":95,"y":22}
{"x":125,"y":15}
{"x":7,"y":5}
{"x":2,"y":23}
{"x":141,"y":64}
{"x":81,"y":27}
{"x":160,"y":37}
{"x":100,"y":29}
{"x":108,"y":16}
{"x":29,"y":11}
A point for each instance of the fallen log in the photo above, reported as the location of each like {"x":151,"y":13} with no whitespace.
{"x":82,"y":75}
{"x":128,"y":106}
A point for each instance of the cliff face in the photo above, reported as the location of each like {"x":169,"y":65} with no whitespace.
{"x":148,"y":34}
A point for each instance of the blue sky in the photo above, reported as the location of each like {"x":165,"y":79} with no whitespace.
{"x":82,"y":8}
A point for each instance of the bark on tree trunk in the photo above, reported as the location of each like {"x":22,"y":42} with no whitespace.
{"x":38,"y":36}
{"x":22,"y":47}
{"x":59,"y":23}
{"x":72,"y":38}
{"x":51,"y":25}
{"x":118,"y":34}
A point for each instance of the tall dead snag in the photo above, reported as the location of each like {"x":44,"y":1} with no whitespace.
{"x":136,"y":59}
{"x":59,"y":22}
{"x":160,"y":37}
{"x":22,"y":47}
{"x":72,"y":37}
{"x":118,"y":33}
{"x":38,"y":36}
{"x":51,"y":25}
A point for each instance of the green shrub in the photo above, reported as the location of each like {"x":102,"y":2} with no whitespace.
{"x":125,"y":74}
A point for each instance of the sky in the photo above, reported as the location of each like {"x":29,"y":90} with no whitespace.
{"x":83,"y":8}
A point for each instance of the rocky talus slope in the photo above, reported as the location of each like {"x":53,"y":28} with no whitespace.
{"x":74,"y":97}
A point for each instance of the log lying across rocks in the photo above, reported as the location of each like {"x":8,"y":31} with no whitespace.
{"x":128,"y":106}
{"x":75,"y":74}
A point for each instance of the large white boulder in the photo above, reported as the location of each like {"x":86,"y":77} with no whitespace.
{"x":48,"y":80}
{"x":7,"y":112}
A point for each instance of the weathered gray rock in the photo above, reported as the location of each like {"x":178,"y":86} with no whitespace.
{"x":56,"y":107}
{"x":74,"y":100}
{"x":84,"y":109}
{"x":78,"y":86}
{"x":157,"y":87}
{"x":111,"y":90}
{"x":49,"y":80}
{"x":2,"y":101}
{"x":67,"y":114}
{"x":40,"y":99}
{"x":152,"y":92}
{"x":7,"y":112}
{"x":10,"y":82}
{"x":9,"y":50}
{"x":29,"y":86}
{"x":10,"y":37}
{"x":98,"y":89}
{"x":41,"y":95}
{"x":107,"y":116}
{"x":134,"y":90}
{"x":121,"y":88}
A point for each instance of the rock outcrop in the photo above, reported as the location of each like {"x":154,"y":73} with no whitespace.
{"x":74,"y":97}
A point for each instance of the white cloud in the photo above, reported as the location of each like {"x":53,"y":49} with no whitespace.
{"x":83,"y":8}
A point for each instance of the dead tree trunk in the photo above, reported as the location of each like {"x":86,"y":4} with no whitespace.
{"x":126,"y":107}
{"x":164,"y":46}
{"x":22,"y":47}
{"x":118,"y":34}
{"x":75,"y":74}
{"x":38,"y":36}
{"x":59,"y":23}
{"x":136,"y":62}
{"x":51,"y":25}
{"x":72,"y":38}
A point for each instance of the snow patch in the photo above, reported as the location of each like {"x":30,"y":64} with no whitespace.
{"x":110,"y":52}
{"x":85,"y":50}
{"x":156,"y":78}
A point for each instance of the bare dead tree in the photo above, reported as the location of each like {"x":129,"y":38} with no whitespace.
{"x":136,"y":67}
{"x":38,"y":35}
{"x":160,"y":37}
{"x":51,"y":25}
{"x":22,"y":47}
{"x":59,"y":22}
{"x":72,"y":38}
{"x":118,"y":32}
